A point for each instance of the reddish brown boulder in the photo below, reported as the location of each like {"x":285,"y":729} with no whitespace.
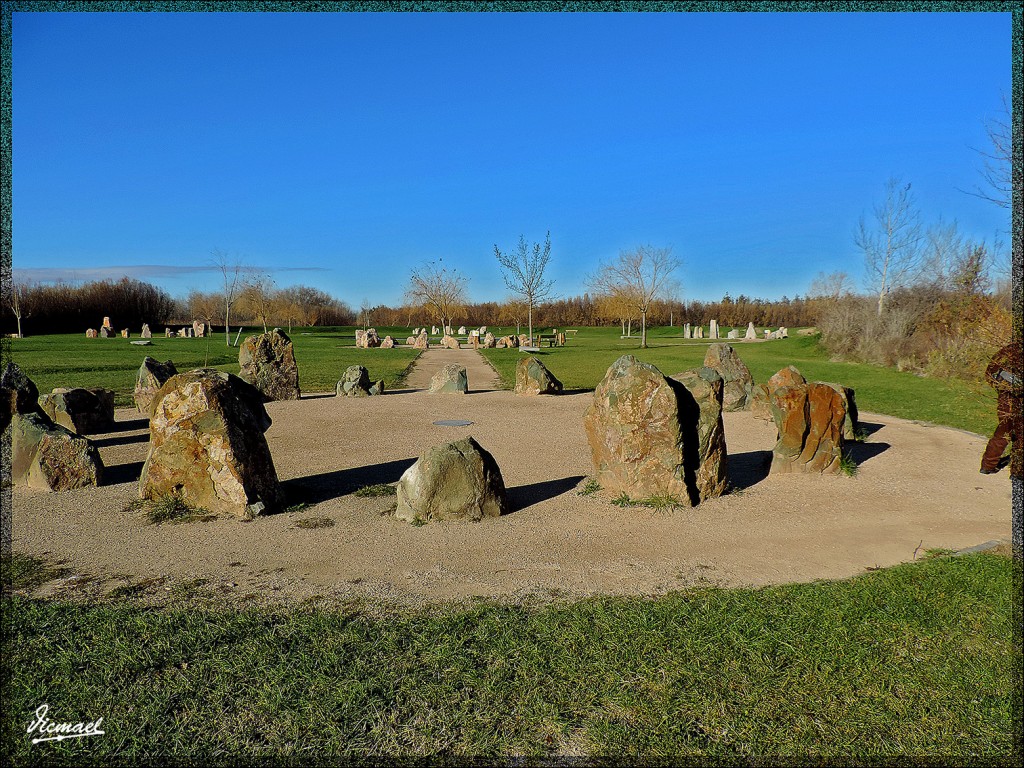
{"x":810,"y":420}
{"x":760,"y":406}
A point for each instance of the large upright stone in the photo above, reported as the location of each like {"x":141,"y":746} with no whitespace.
{"x":206,"y":445}
{"x":687,"y":333}
{"x":739,"y":384}
{"x":751,"y":334}
{"x":421,"y":342}
{"x":105,"y":332}
{"x":83,"y":411}
{"x":18,"y":394}
{"x":455,"y":481}
{"x":152,"y":375}
{"x":146,"y":333}
{"x":701,"y":405}
{"x":489,"y":340}
{"x":451,"y":379}
{"x":851,"y":424}
{"x":533,"y":378}
{"x":644,"y":434}
{"x":810,"y":419}
{"x":760,"y":406}
{"x":48,"y":457}
{"x":268,"y":363}
{"x":713,"y":330}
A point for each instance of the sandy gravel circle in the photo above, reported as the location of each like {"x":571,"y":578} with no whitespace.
{"x":918,"y":487}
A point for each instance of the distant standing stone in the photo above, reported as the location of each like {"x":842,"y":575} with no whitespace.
{"x":151,"y":376}
{"x":533,"y":378}
{"x":267,"y":362}
{"x":146,"y":333}
{"x":739,"y":384}
{"x":91,"y":333}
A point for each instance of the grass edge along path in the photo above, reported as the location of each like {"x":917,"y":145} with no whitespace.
{"x":913,"y":660}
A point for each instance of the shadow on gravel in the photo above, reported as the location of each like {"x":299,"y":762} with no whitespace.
{"x":314,"y":489}
{"x":861,"y":452}
{"x":869,"y":427}
{"x":130,"y":425}
{"x":103,"y":442}
{"x":523,"y":496}
{"x":123,"y":473}
{"x":750,"y":468}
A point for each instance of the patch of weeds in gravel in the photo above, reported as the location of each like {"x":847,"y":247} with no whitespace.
{"x":591,"y":487}
{"x":667,"y":502}
{"x":847,"y":465}
{"x":314,"y":522}
{"x":300,"y":506}
{"x":171,"y":509}
{"x":373,"y":491}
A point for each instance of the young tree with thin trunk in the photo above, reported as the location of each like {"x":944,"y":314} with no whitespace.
{"x":523,"y":272}
{"x":891,"y":242}
{"x":231,"y":272}
{"x":441,"y":292}
{"x":258,"y":295}
{"x":17,"y":302}
{"x":638,"y":278}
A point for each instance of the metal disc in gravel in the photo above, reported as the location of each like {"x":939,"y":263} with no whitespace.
{"x":453,"y":423}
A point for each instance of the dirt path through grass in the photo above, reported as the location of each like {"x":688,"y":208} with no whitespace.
{"x":481,"y":375}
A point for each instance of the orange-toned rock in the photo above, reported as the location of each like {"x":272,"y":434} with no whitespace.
{"x":810,"y":419}
{"x":760,"y":405}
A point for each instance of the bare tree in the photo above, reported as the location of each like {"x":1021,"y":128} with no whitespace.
{"x":832,"y":286}
{"x":440,"y":291}
{"x":998,"y":174}
{"x":638,"y":278}
{"x":513,"y":310}
{"x":231,"y":270}
{"x":891,"y":242}
{"x":258,"y":296}
{"x":17,"y":302}
{"x":523,"y":272}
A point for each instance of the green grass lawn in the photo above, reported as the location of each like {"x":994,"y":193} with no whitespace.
{"x":913,"y":660}
{"x":322,"y":354}
{"x":582,"y":363}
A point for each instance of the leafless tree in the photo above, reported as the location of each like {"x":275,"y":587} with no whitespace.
{"x":891,"y":241}
{"x":258,"y":296}
{"x":441,"y":292}
{"x":638,"y":278}
{"x":18,"y":303}
{"x":231,"y":270}
{"x":513,"y":311}
{"x":523,"y":272}
{"x":998,"y":173}
{"x":832,"y":286}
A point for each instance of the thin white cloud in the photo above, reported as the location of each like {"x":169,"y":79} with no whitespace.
{"x":136,"y":271}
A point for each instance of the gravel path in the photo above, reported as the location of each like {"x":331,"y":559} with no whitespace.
{"x":479,"y":373}
{"x":918,"y":487}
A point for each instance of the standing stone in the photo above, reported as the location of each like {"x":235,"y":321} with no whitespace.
{"x":387,"y":343}
{"x":107,"y":324}
{"x":125,"y":333}
{"x":48,"y":457}
{"x":699,"y":332}
{"x":152,"y":375}
{"x":751,"y":332}
{"x":739,"y":384}
{"x":783,"y":332}
{"x":18,"y":394}
{"x":643,"y":433}
{"x":851,"y":424}
{"x":713,"y":330}
{"x":355,"y":382}
{"x":91,"y":333}
{"x":462,"y":330}
{"x":146,"y":333}
{"x":733,"y":334}
{"x":433,"y":330}
{"x":105,"y":332}
{"x":483,"y":330}
{"x":182,"y":333}
{"x":83,"y":411}
{"x":450,"y":380}
{"x":510,"y":341}
{"x":450,"y":342}
{"x":760,"y":406}
{"x":207,"y":446}
{"x":168,"y":332}
{"x":267,"y":362}
{"x":532,"y":378}
{"x":686,"y":331}
{"x":701,"y":404}
{"x":810,"y":419}
{"x":198,"y":329}
{"x":377,"y":388}
{"x":422,"y":342}
{"x":455,"y":481}
{"x":524,"y":340}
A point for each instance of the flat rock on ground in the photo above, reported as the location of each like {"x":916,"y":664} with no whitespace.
{"x":918,"y":487}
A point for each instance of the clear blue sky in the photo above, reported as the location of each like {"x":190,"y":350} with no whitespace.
{"x":341,"y":150}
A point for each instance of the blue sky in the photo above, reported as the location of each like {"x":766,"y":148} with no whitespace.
{"x":343,"y":150}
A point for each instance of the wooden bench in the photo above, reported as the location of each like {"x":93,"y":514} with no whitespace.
{"x":550,"y":338}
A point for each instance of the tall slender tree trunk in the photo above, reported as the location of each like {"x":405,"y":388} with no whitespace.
{"x":643,"y":330}
{"x":529,"y":320}
{"x":19,"y":328}
{"x":227,"y":326}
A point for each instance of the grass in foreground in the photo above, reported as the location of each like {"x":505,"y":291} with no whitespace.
{"x":916,"y":659}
